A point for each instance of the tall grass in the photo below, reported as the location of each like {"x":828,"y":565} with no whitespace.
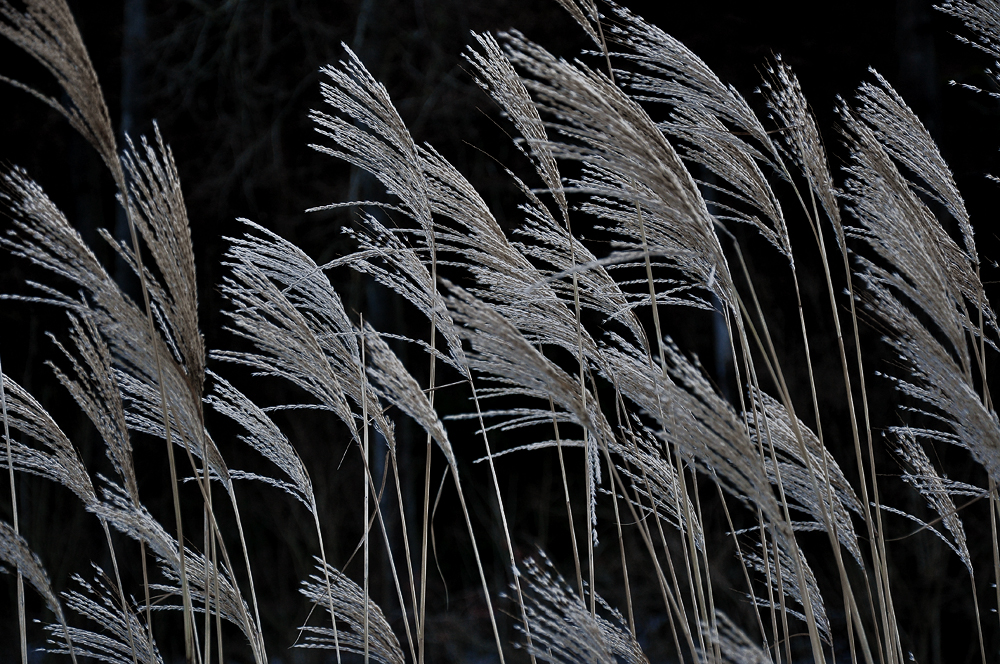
{"x":688,"y":496}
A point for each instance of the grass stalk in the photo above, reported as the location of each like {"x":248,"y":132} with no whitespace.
{"x":21,"y":623}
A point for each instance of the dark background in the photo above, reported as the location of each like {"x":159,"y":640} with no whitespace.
{"x":231,"y":83}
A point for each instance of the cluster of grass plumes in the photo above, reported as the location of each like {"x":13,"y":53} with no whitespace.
{"x":555,"y":338}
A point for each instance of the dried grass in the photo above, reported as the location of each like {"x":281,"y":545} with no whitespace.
{"x":547,"y":330}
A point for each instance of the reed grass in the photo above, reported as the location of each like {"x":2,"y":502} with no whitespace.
{"x":555,"y":344}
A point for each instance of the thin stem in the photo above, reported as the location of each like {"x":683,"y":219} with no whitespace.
{"x":479,"y":562}
{"x":21,"y":623}
{"x":422,"y":615}
{"x":364,"y":434}
{"x":503,"y":515}
{"x":121,"y":592}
